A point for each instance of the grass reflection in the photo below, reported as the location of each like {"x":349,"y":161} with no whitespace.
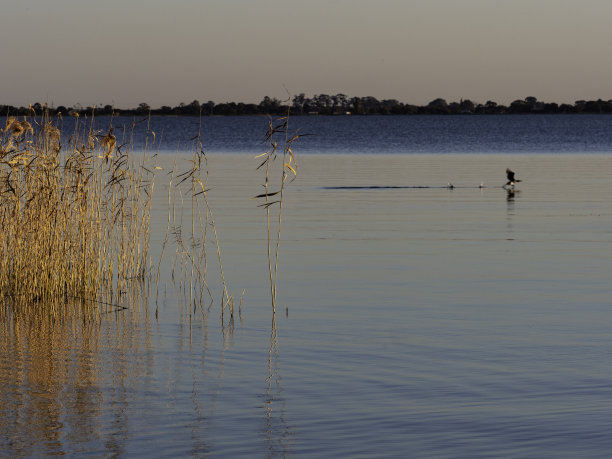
{"x":55,"y":370}
{"x":278,"y":431}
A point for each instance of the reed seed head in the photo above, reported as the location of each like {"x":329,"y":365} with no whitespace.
{"x":16,"y":128}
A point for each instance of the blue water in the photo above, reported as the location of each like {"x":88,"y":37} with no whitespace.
{"x":365,"y":134}
{"x":411,"y":322}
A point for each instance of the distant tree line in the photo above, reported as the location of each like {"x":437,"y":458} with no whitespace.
{"x":323,"y":104}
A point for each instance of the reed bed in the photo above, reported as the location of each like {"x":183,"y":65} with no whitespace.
{"x":74,"y":218}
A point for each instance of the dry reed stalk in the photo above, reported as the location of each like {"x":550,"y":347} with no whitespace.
{"x":165,"y":242}
{"x":190,"y":261}
{"x":277,"y":138}
{"x":73,"y":219}
{"x":195,"y":255}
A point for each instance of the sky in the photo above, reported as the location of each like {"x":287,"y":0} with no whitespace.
{"x":162,"y":52}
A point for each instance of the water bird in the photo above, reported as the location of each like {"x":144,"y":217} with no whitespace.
{"x":511,"y":180}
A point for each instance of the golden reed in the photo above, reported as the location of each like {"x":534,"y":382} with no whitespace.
{"x":74,"y":219}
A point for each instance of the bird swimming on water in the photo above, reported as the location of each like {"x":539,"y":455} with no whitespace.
{"x":511,"y":179}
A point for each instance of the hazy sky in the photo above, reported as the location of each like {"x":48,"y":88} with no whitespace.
{"x":165,"y":52}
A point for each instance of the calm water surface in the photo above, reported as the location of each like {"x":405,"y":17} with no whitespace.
{"x":412,"y":322}
{"x":361,"y":134}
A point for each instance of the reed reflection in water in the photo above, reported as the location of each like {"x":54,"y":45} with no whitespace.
{"x":124,"y":383}
{"x":60,"y":381}
{"x":278,"y":432}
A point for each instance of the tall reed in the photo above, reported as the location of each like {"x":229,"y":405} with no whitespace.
{"x":188,"y":190}
{"x":74,"y":218}
{"x":279,"y":144}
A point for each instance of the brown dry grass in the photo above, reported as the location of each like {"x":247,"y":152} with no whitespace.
{"x":74,"y":219}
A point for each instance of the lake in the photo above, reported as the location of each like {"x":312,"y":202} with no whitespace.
{"x":412,"y":320}
{"x":361,"y":134}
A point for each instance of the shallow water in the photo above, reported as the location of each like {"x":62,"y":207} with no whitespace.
{"x":421,"y":322}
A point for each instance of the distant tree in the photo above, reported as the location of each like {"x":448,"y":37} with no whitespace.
{"x":208,"y":108}
{"x":241,"y":109}
{"x":226,"y":109}
{"x":518,"y":106}
{"x":342,"y":102}
{"x":606,"y":106}
{"x":551,"y":108}
{"x":371,"y":104}
{"x":357,"y":106}
{"x":454,"y":108}
{"x":579,"y":106}
{"x":143,"y":109}
{"x":389,"y":107}
{"x":533,"y":104}
{"x":467,"y":106}
{"x":252,"y":109}
{"x":408,"y":109}
{"x":298,"y":103}
{"x":439,"y":106}
{"x":270,"y":105}
{"x":308,"y":106}
{"x":592,"y":106}
{"x":180,"y":108}
{"x":322,"y":104}
{"x":38,"y":108}
{"x":193,"y":108}
{"x":491,"y":107}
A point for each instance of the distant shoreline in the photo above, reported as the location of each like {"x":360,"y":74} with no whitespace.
{"x":324,"y":105}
